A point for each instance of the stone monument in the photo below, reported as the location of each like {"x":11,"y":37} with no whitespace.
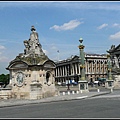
{"x":32,"y":73}
{"x":83,"y":84}
{"x":114,"y":52}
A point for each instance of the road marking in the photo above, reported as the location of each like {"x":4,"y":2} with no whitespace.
{"x":81,"y":97}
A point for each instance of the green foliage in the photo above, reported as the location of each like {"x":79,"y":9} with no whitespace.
{"x":4,"y":78}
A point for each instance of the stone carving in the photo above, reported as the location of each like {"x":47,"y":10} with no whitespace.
{"x":33,"y":41}
{"x":116,"y":62}
{"x":112,"y":47}
{"x":32,"y":45}
{"x":32,"y":72}
{"x":19,"y":79}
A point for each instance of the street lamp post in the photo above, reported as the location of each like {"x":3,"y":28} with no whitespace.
{"x":109,"y":80}
{"x":68,"y":84}
{"x":83,"y":84}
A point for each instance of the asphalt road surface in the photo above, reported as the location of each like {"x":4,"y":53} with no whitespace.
{"x":106,"y":106}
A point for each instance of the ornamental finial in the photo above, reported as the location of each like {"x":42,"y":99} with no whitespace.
{"x":81,"y":40}
{"x":33,"y":28}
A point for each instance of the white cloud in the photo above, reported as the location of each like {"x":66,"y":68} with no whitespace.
{"x":3,"y":59}
{"x":67,"y":26}
{"x":102,"y":26}
{"x":2,"y":47}
{"x":115,"y":36}
{"x":116,"y":25}
{"x":53,"y":47}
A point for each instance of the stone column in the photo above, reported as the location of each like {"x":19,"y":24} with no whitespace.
{"x":76,"y":68}
{"x":83,"y":84}
{"x":109,"y":81}
{"x":65,"y":70}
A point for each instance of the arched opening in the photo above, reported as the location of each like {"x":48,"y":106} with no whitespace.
{"x":47,"y":76}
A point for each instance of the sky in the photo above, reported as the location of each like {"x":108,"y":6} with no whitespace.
{"x":60,"y":25}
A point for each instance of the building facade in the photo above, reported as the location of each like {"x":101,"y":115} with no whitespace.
{"x":69,"y":69}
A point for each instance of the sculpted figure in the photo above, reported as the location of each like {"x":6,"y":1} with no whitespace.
{"x":26,"y":43}
{"x":32,"y":44}
{"x":112,"y":47}
{"x":34,"y":41}
{"x":20,"y":78}
{"x":116,"y":62}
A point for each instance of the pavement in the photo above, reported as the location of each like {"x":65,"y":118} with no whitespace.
{"x":64,"y":96}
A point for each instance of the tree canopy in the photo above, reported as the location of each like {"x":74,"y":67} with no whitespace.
{"x":4,"y":79}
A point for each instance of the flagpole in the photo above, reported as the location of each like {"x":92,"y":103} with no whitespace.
{"x":58,"y":55}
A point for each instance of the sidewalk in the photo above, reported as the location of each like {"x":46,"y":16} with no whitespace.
{"x":71,"y":96}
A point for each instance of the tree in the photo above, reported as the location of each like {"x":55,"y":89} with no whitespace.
{"x":4,"y":79}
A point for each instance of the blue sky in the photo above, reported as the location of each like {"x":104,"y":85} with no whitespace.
{"x":60,"y":25}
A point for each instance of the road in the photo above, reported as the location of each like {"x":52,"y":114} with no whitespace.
{"x":105,"y":106}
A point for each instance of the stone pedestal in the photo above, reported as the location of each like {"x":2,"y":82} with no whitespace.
{"x":117,"y":81}
{"x":109,"y":84}
{"x":83,"y":86}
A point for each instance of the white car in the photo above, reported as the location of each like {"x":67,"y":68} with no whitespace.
{"x":96,"y":82}
{"x":59,"y":83}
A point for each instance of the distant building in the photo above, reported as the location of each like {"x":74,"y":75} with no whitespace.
{"x":95,"y":67}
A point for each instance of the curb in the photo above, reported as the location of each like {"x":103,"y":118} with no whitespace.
{"x":57,"y":100}
{"x":100,"y":94}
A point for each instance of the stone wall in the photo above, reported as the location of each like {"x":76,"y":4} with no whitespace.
{"x":5,"y":94}
{"x":117,"y":81}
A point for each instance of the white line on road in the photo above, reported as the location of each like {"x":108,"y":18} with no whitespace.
{"x":81,"y":97}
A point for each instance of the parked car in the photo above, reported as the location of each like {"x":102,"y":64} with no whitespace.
{"x":72,"y":82}
{"x":91,"y":83}
{"x":59,"y":83}
{"x":63,"y":84}
{"x":67,"y":82}
{"x":75,"y":83}
{"x":97,"y":83}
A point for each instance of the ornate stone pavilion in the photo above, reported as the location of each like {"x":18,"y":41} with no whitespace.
{"x":32,"y":72}
{"x":114,"y":52}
